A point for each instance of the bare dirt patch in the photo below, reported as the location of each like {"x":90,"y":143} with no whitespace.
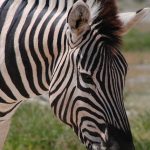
{"x":137,"y":90}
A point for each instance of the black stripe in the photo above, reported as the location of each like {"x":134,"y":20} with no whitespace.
{"x":139,"y":11}
{"x":5,"y":88}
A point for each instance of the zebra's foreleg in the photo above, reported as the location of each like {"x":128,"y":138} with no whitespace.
{"x":6,"y":112}
{"x":4,"y":128}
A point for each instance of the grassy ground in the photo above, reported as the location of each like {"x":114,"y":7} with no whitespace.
{"x":34,"y":126}
{"x":141,"y":131}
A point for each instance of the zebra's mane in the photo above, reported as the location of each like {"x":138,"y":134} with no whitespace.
{"x":105,"y":12}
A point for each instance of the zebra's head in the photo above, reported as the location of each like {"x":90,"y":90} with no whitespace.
{"x":93,"y":72}
{"x":94,"y":31}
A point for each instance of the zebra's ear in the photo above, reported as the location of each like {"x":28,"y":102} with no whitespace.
{"x":79,"y":18}
{"x":131,"y":19}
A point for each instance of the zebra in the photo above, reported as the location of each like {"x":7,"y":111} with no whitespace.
{"x":70,"y":48}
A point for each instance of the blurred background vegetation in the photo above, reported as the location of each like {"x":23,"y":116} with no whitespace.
{"x":34,"y":127}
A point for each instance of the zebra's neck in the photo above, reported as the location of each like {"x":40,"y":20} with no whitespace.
{"x":35,"y":31}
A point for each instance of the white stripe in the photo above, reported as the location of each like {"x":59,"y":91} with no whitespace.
{"x":52,"y":4}
{"x":69,"y":4}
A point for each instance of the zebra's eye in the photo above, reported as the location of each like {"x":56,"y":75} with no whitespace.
{"x":87,"y":78}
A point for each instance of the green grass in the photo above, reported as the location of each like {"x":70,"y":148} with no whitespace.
{"x":141,"y":131}
{"x":35,"y":128}
{"x":136,"y":41}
